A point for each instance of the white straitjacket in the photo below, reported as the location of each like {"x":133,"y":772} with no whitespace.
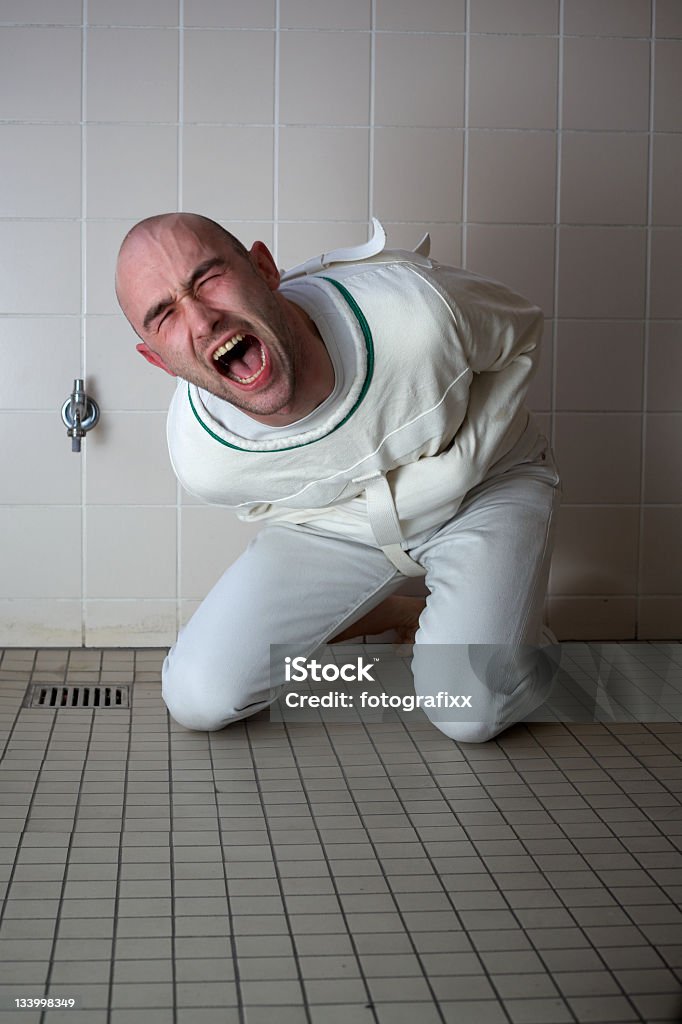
{"x":444,"y":361}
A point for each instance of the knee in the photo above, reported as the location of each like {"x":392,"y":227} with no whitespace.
{"x":189,"y":700}
{"x":200,"y":697}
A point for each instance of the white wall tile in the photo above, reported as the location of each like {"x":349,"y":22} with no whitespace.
{"x":593,"y":618}
{"x":668,"y":18}
{"x":427,"y":16}
{"x":590,"y":164}
{"x":236,"y":179}
{"x":41,"y":358}
{"x":668,"y":85}
{"x":332,"y":187}
{"x":418,"y":174}
{"x":522,"y":257}
{"x":601,"y":272}
{"x":212,"y":539}
{"x":40,"y":74}
{"x":419,"y":79}
{"x":606,"y":84}
{"x":41,"y":552}
{"x":665,"y":367}
{"x":595,"y":551}
{"x":126,"y":623}
{"x":128,"y":461}
{"x":42,"y":273}
{"x":214,"y":61}
{"x":513,"y":82}
{"x":118,"y":377}
{"x":133,"y":12}
{"x":132,"y":170}
{"x":667,"y":174}
{"x":607,"y":17}
{"x":600,"y":366}
{"x":40,"y":622}
{"x":218,"y":14}
{"x":659,"y":618}
{"x":325,"y":14}
{"x":103,"y":240}
{"x":522,"y":16}
{"x":148,"y":88}
{"x":37,"y":466}
{"x":338,"y":57}
{"x":666,"y":260}
{"x":599,"y":457}
{"x":41,"y":12}
{"x":512,"y":177}
{"x":130,"y":552}
{"x":662,"y":551}
{"x":40,"y":170}
{"x":663,"y":458}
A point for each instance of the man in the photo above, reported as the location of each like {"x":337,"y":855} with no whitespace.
{"x":368,"y":407}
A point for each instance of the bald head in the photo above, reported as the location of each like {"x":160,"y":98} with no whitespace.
{"x":136,"y":244}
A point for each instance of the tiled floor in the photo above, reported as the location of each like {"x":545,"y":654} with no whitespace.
{"x":334,"y":873}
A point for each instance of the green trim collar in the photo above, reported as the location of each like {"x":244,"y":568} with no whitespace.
{"x":369,"y":344}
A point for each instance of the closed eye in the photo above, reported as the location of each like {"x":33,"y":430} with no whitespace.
{"x":213,"y":277}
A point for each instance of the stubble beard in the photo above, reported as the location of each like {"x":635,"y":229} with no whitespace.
{"x":285,"y":357}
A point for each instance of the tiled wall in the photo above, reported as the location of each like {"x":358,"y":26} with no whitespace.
{"x":538,"y":140}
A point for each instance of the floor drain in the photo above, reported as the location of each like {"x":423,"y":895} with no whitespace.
{"x":64,"y":697}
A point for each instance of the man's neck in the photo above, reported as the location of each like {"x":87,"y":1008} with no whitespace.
{"x":315,"y":375}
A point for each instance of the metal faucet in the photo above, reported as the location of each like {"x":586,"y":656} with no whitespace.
{"x":80,"y":413}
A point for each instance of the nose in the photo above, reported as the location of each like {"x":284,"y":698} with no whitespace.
{"x":202,"y":318}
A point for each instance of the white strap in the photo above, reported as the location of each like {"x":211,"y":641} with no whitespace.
{"x":423,"y":247}
{"x":350,"y":254}
{"x":385,"y":524}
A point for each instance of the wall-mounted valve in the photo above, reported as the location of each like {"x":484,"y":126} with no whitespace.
{"x":80,"y":413}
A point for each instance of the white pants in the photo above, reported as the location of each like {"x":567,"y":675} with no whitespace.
{"x":486,"y":575}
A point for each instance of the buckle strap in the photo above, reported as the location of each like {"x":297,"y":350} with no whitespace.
{"x":349,"y":254}
{"x":385,"y":524}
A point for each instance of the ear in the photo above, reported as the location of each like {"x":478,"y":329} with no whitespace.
{"x":152,"y":357}
{"x":264,"y":264}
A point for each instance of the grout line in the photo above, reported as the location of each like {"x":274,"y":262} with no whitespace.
{"x":557,"y":225}
{"x":181,"y":103}
{"x":372,"y":111}
{"x":226,"y":881}
{"x":647,"y":323}
{"x":69,"y":847}
{"x":278,"y":876}
{"x":83,"y":311}
{"x":171,"y":863}
{"x":464,"y":218}
{"x":180,"y":205}
{"x":276,"y":133}
{"x":119,"y":860}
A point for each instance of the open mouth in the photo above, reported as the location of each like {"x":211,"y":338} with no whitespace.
{"x":243,"y":360}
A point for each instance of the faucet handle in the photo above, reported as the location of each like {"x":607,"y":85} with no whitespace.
{"x":80,"y":413}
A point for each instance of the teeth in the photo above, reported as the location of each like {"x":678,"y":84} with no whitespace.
{"x":227,"y":346}
{"x":249,"y":380}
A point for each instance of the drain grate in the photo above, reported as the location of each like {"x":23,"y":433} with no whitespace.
{"x":65,"y":697}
